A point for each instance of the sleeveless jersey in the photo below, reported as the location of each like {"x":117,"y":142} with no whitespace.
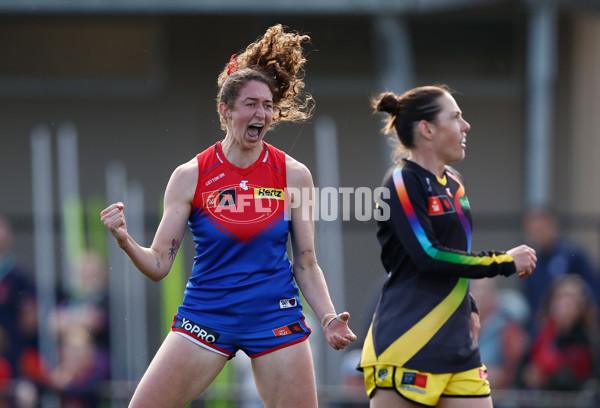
{"x":241,"y":278}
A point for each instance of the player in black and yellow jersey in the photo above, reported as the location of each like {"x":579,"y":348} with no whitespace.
{"x":420,"y":349}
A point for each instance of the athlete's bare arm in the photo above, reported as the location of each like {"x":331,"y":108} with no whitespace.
{"x":156,"y":261}
{"x":307,"y":272}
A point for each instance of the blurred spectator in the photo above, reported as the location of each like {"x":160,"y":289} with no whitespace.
{"x":5,"y":382}
{"x":82,"y":368}
{"x":81,"y":322}
{"x":562,"y":355}
{"x":18,"y":314}
{"x":16,"y":291}
{"x":87,"y":304}
{"x":556,"y":257}
{"x":503,"y":339}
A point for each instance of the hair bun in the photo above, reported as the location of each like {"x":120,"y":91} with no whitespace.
{"x":388,"y":103}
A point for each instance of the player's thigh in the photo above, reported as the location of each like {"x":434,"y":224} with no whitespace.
{"x":285,"y":377}
{"x":389,"y":399}
{"x":475,"y":402}
{"x":179,"y":372}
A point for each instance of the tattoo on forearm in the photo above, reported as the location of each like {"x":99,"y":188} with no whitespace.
{"x":175,"y":243}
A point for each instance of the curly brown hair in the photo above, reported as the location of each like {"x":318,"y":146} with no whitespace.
{"x":277,"y":60}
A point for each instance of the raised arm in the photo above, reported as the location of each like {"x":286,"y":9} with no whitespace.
{"x":155,"y":262}
{"x":307,"y":272}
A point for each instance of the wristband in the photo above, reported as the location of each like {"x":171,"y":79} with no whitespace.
{"x":337,"y":317}
{"x":325,"y":317}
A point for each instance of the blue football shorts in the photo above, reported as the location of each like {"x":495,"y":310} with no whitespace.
{"x":254,"y":344}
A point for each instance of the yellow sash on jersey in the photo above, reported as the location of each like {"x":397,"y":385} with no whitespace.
{"x":407,"y":345}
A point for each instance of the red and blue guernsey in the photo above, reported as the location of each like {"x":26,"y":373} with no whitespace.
{"x":242,"y":278}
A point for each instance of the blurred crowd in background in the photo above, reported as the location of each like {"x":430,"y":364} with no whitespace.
{"x":543,"y":336}
{"x":80,"y":323}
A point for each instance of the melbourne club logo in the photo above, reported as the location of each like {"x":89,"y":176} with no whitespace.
{"x":288,"y":303}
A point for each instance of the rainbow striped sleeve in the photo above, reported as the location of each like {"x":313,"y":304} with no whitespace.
{"x":489,"y":263}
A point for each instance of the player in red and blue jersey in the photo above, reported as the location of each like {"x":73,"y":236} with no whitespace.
{"x":242,"y":277}
{"x":420,"y":349}
{"x":240,"y":199}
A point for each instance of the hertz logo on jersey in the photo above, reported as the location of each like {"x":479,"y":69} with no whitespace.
{"x":263,"y":192}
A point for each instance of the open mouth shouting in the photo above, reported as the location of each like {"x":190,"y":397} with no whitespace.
{"x":254,"y":131}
